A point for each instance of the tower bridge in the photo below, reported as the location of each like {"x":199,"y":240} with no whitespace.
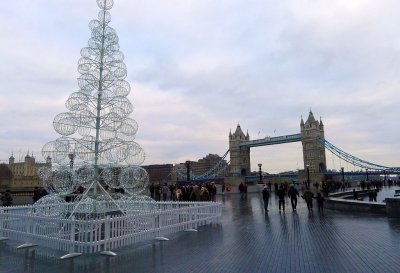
{"x":313,"y":151}
{"x":271,"y":141}
{"x":314,"y":145}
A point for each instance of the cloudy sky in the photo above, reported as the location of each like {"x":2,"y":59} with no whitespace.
{"x":198,"y":68}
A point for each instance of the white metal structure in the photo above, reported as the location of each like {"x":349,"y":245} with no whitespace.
{"x":97,"y":148}
{"x":109,"y":232}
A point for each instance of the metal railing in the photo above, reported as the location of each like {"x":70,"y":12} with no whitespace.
{"x":106,"y":230}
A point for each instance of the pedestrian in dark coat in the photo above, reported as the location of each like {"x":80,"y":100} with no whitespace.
{"x":320,"y":202}
{"x":281,"y":197}
{"x":308,"y":197}
{"x":374,"y":195}
{"x":355,"y":194}
{"x":293,"y":194}
{"x":265,"y":194}
{"x":152,"y":189}
{"x":241,"y":190}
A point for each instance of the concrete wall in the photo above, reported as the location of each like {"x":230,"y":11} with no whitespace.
{"x":337,"y":201}
{"x":393,"y":207}
{"x":348,"y":194}
{"x":355,"y":206}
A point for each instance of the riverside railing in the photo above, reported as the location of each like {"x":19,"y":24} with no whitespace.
{"x":107,"y":229}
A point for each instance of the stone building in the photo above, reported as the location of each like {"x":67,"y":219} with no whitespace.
{"x":200,"y":167}
{"x":159,"y":173}
{"x":25,"y":175}
{"x":313,"y":151}
{"x":240,"y":157}
{"x":206,"y":163}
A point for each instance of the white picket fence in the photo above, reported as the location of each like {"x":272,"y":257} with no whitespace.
{"x":106,"y":231}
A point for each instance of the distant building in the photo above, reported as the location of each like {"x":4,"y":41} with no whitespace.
{"x":202,"y":166}
{"x":25,"y":174}
{"x":159,"y":173}
{"x":206,"y":163}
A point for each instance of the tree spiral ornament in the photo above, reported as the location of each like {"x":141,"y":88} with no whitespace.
{"x":97,"y":146}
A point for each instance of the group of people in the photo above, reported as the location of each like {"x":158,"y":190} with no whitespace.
{"x":372,"y":195}
{"x":293,"y":194}
{"x":38,"y":193}
{"x":190,"y":192}
{"x":6,"y":198}
{"x":370,"y":185}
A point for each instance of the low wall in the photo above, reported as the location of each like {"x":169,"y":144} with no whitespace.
{"x":348,"y":194}
{"x":337,"y":201}
{"x":355,"y":206}
{"x":393,"y":207}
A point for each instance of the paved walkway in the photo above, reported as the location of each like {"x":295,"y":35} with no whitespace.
{"x":246,"y":240}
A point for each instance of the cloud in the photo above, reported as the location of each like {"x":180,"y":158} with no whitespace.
{"x":197,"y":68}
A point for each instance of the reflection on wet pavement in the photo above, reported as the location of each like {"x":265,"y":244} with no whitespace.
{"x":246,"y":240}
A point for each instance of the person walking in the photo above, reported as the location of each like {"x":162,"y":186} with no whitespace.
{"x":157,"y":192}
{"x":308,"y":197}
{"x":152,"y":189}
{"x":355,"y":194}
{"x":281,"y":198}
{"x":374,"y":195}
{"x":164,"y":191}
{"x":172,"y":188}
{"x":213,"y":192}
{"x":370,"y":195}
{"x":265,"y":195}
{"x":293,"y":194}
{"x":320,"y":202}
{"x":241,"y":190}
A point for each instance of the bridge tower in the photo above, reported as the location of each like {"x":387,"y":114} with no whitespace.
{"x":240,"y":157}
{"x":313,"y":151}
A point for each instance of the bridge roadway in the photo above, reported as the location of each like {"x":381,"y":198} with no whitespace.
{"x":246,"y":240}
{"x":271,"y":140}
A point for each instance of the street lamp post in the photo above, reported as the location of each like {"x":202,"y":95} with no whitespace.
{"x":343,"y":175}
{"x":384,"y":178}
{"x":187,"y":170}
{"x":308,"y":175}
{"x":259,"y":172}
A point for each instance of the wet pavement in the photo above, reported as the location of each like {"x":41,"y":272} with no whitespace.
{"x":245,"y":240}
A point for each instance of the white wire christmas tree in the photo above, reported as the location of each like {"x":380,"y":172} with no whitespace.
{"x":97,"y":146}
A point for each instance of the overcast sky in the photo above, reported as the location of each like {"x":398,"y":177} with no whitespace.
{"x":198,"y":68}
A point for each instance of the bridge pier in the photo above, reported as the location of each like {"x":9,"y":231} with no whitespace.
{"x":234,"y":180}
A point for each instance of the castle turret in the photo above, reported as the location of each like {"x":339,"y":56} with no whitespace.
{"x":29,"y":169}
{"x":11,"y":160}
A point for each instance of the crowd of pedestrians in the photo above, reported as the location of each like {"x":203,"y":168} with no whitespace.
{"x":190,"y":192}
{"x":292,"y":192}
{"x":321,"y":190}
